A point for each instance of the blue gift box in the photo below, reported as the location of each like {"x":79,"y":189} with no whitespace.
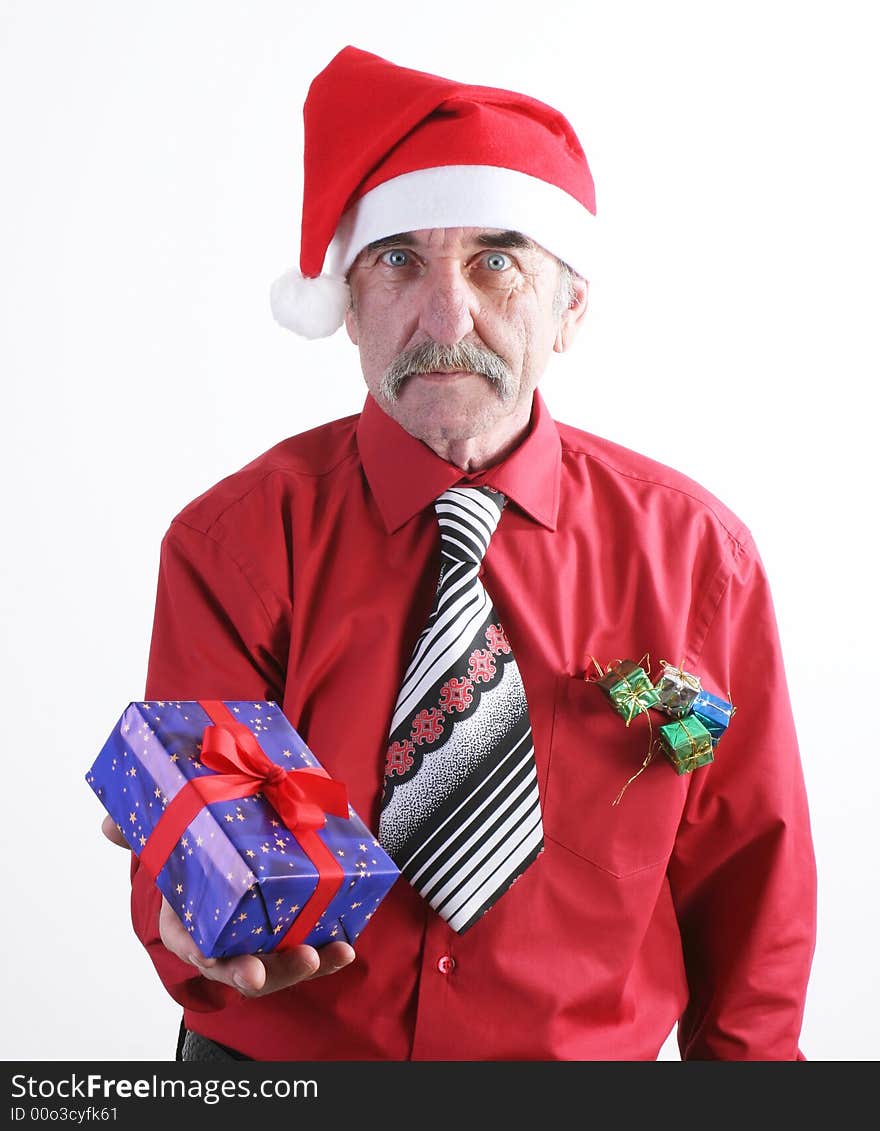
{"x":237,"y":876}
{"x":714,"y":713}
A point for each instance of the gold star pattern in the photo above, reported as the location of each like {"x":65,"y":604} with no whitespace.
{"x":281,"y":858}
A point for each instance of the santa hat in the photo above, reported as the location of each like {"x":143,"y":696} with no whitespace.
{"x":388,"y":150}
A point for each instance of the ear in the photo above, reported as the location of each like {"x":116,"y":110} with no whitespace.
{"x":351,"y":323}
{"x":573,"y":315}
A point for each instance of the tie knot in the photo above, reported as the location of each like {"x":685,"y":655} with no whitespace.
{"x":468,"y":517}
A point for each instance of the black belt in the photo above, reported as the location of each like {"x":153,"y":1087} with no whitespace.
{"x":193,"y":1046}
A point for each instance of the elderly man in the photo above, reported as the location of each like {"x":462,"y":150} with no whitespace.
{"x":438,"y":592}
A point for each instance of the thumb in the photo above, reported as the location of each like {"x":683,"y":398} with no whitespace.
{"x":113,"y":832}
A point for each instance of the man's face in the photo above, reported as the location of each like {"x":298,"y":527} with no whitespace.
{"x":455,"y":327}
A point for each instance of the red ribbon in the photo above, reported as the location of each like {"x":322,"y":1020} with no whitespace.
{"x":300,"y":797}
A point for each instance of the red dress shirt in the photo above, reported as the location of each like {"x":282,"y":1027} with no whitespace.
{"x":306,"y":577}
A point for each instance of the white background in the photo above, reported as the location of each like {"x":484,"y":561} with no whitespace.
{"x":149,"y":186}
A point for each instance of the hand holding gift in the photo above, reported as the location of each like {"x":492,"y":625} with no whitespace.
{"x":252,"y":975}
{"x":267,"y":875}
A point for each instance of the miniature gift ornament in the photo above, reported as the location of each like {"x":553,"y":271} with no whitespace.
{"x":629,"y":689}
{"x":676,"y":690}
{"x":686,"y":743}
{"x":714,"y":713}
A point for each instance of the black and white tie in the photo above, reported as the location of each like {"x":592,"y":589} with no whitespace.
{"x":461,"y":815}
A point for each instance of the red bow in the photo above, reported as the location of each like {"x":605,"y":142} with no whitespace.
{"x":301,"y":798}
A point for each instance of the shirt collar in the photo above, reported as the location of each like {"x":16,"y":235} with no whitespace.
{"x":405,"y":476}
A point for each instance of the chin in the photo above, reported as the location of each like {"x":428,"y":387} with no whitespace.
{"x":449,"y":426}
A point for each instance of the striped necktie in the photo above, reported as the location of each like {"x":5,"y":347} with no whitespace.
{"x":460,"y":814}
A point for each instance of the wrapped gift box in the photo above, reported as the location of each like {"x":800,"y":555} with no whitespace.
{"x":686,"y":743}
{"x":248,"y":839}
{"x":676,"y":691}
{"x":629,"y":689}
{"x":714,"y":713}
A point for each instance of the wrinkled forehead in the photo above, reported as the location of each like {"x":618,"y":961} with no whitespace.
{"x":457,"y":242}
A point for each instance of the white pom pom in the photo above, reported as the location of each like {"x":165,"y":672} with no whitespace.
{"x":313,"y":308}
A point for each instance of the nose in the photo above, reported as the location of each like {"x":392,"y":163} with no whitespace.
{"x":447,"y":305}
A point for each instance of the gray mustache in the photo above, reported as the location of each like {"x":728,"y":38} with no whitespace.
{"x":430,"y":357}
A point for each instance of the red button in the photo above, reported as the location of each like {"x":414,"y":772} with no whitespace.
{"x":446,"y":964}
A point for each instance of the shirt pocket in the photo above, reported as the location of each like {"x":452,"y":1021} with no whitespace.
{"x":593,"y":753}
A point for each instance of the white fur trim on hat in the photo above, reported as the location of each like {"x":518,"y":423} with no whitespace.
{"x":313,"y":308}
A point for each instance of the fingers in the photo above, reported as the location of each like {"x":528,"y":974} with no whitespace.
{"x":299,"y":964}
{"x":112,"y":832}
{"x":333,"y":957}
{"x":252,"y":975}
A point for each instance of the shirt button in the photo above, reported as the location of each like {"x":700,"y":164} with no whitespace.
{"x":446,"y":964}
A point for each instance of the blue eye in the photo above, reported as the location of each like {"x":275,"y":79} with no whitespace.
{"x":395,"y":257}
{"x":496,"y":261}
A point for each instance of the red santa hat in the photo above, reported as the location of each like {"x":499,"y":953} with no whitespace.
{"x":388,"y":150}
